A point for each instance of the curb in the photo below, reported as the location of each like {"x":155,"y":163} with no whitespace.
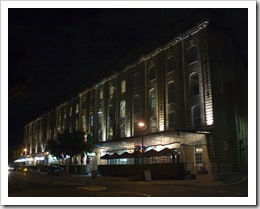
{"x":93,"y":188}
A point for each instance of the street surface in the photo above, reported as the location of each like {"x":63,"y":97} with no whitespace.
{"x":22,"y":185}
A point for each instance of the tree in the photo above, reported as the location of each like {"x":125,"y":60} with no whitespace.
{"x":71,"y":144}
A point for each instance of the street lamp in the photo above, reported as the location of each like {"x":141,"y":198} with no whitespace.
{"x":142,"y":125}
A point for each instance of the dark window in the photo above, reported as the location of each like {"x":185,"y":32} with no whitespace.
{"x":171,"y":119}
{"x":136,"y":80}
{"x":196,"y":117}
{"x":192,"y":54}
{"x":170,"y":65}
{"x":152,"y":73}
{"x":136,"y":104}
{"x":194,"y":84}
{"x":171,"y":92}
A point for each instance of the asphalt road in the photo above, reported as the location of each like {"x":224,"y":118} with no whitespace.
{"x":21,"y":185}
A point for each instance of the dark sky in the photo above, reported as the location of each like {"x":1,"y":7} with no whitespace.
{"x":53,"y":51}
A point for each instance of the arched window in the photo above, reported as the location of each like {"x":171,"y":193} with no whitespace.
{"x":122,"y":109}
{"x":152,"y":97}
{"x":137,"y":105}
{"x":171,"y":92}
{"x":170,"y":65}
{"x":152,"y":73}
{"x":171,"y":119}
{"x":196,"y":117}
{"x":194,"y":84}
{"x":192,"y":54}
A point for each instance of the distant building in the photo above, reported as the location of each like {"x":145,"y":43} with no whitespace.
{"x":188,"y":86}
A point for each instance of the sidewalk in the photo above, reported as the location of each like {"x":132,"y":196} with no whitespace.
{"x":85,"y":182}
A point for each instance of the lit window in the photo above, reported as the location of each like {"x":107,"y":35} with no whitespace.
{"x":101,"y":94}
{"x":192,"y":54}
{"x":152,"y":73}
{"x":123,"y":86}
{"x":198,"y":154}
{"x":170,"y":65}
{"x":171,"y":92}
{"x":136,"y":104}
{"x":196,"y":117}
{"x":171,"y":119}
{"x":83,"y":123}
{"x":194,"y":84}
{"x":91,"y":120}
{"x":122,"y":130}
{"x":122,"y":109}
{"x":77,"y":108}
{"x":111,"y":90}
{"x":111,"y":133}
{"x":152,"y":97}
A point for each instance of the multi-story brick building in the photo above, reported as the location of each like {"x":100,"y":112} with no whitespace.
{"x":188,"y":86}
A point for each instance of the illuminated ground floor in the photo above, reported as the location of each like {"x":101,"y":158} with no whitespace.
{"x":192,"y":149}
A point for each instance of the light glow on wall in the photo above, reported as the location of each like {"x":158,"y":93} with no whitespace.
{"x":161,"y":126}
{"x":209,"y":113}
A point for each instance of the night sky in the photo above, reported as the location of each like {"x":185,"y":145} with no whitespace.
{"x":53,"y":51}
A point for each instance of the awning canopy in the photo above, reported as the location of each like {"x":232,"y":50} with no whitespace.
{"x":166,"y":151}
{"x":105,"y":157}
{"x":125,"y":155}
{"x":151,"y":153}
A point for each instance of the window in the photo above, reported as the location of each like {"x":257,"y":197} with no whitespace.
{"x":198,"y":158}
{"x":122,"y":109}
{"x":170,"y":65}
{"x":101,"y":94}
{"x":110,"y":121}
{"x":192,"y":54}
{"x":194,"y":84}
{"x":91,"y":120}
{"x":153,"y":124}
{"x":171,"y":119}
{"x":111,"y":90}
{"x":123,"y":86}
{"x":122,"y":130}
{"x":83,"y":123}
{"x":77,"y":108}
{"x":152,"y":73}
{"x":171,"y":92}
{"x":198,"y":154}
{"x":70,"y":111}
{"x":196,"y":117}
{"x":136,"y":80}
{"x":83,"y":102}
{"x":136,"y":104}
{"x":152,"y":97}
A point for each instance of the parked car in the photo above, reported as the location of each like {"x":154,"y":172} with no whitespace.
{"x":35,"y":170}
{"x":55,"y":171}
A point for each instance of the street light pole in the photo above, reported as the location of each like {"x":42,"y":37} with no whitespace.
{"x":142,"y":125}
{"x":142,"y":153}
